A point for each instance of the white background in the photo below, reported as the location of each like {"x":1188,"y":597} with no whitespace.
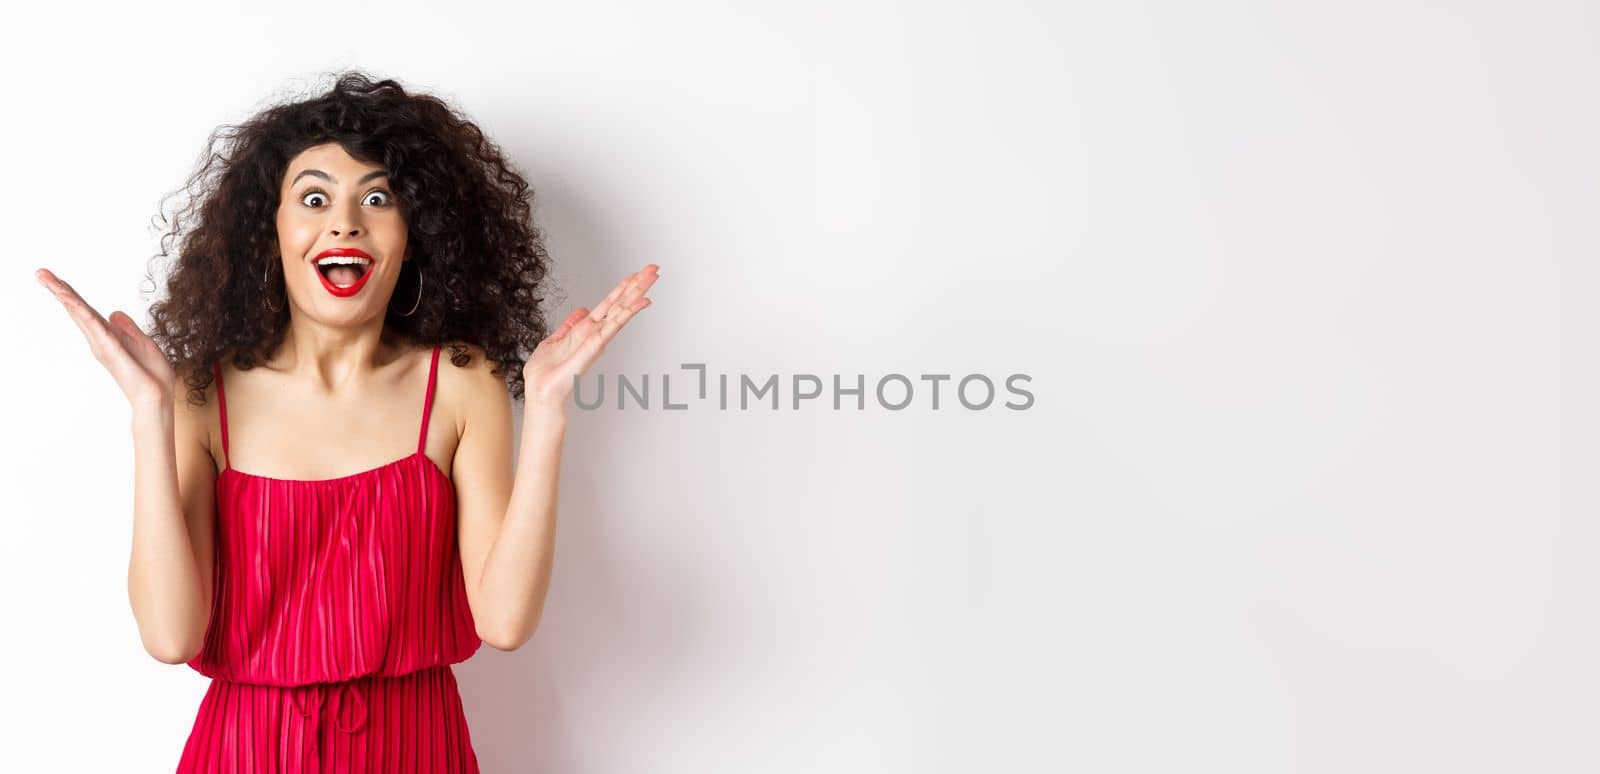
{"x":1306,"y":291}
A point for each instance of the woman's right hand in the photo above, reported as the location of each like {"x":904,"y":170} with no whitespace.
{"x":139,"y":366}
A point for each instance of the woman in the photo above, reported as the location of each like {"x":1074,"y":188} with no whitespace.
{"x":330,"y":249}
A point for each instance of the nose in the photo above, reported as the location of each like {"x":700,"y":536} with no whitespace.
{"x":347,"y":221}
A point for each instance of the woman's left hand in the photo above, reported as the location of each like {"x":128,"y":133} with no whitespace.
{"x":565,"y":355}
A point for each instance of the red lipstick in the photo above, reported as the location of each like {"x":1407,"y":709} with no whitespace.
{"x":354,"y":287}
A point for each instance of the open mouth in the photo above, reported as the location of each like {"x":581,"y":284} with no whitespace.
{"x":343,"y":275}
{"x":343,"y":271}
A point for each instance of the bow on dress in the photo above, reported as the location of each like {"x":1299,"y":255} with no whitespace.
{"x":339,"y":691}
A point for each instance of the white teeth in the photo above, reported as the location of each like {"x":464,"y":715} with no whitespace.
{"x":344,"y":259}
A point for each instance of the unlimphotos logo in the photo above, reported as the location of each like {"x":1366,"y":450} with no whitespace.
{"x":892,"y":391}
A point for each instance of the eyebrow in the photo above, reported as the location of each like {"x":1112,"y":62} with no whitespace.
{"x":325,"y":176}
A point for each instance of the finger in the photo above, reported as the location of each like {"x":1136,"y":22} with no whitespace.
{"x":106,"y":343}
{"x":138,"y":343}
{"x":94,"y":327}
{"x":65,"y":293}
{"x":618,"y":317}
{"x":118,"y":329}
{"x":566,"y":325}
{"x":122,"y":322}
{"x":592,"y":336}
{"x":633,"y":293}
{"x":624,"y":298}
{"x":645,"y":276}
{"x":599,"y":311}
{"x":559,"y":336}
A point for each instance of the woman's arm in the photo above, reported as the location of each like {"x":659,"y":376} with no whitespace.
{"x":169,"y":573}
{"x":170,"y":567}
{"x":507,"y":525}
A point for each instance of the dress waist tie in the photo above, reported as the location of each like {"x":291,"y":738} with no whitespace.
{"x":342,"y":693}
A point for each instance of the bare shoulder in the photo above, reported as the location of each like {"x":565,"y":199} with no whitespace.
{"x":195,"y":426}
{"x":467,"y":390}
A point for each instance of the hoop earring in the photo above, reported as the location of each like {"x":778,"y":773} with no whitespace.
{"x":265,"y":283}
{"x":419,"y":294}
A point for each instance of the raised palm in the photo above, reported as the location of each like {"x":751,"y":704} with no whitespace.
{"x":134,"y":360}
{"x":568,"y":352}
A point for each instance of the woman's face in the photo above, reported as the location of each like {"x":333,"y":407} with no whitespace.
{"x":340,"y":236}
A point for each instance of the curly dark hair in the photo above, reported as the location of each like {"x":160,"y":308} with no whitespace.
{"x":467,"y":210}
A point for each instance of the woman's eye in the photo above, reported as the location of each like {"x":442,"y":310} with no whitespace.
{"x":314,"y":196}
{"x":383,"y":198}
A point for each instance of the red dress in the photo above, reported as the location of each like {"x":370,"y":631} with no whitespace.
{"x":340,"y":605}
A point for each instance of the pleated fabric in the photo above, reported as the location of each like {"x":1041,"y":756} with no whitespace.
{"x":335,"y":599}
{"x":411,"y":723}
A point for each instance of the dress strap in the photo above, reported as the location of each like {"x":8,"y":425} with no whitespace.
{"x":427,"y":403}
{"x":222,"y":412}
